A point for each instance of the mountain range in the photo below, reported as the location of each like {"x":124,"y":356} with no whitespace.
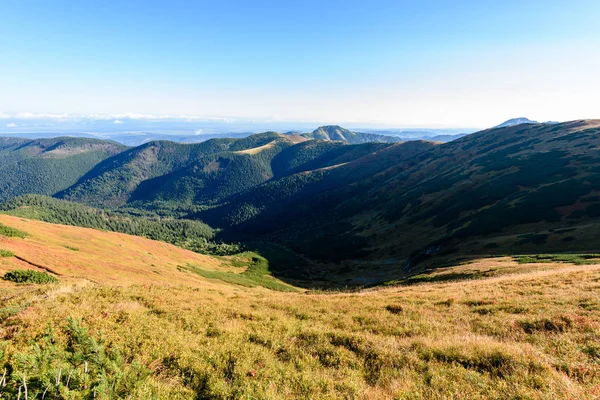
{"x":400,"y":206}
{"x":135,"y":136}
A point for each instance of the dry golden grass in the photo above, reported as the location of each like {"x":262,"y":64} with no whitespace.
{"x":526,"y":332}
{"x":100,"y":257}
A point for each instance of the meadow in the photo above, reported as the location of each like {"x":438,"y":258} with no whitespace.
{"x":493,"y":328}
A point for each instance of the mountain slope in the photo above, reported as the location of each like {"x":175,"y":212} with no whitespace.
{"x":214,"y":177}
{"x":71,"y":252}
{"x":337,"y":133}
{"x":310,"y":192}
{"x":191,"y":175}
{"x":46,"y":166}
{"x":515,"y":189}
{"x":117,"y":180}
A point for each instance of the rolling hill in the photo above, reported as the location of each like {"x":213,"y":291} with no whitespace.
{"x":46,"y":166}
{"x":143,"y":173}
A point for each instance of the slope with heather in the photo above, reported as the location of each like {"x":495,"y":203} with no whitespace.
{"x":70,"y":252}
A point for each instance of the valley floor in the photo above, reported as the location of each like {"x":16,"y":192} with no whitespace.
{"x":525,"y":331}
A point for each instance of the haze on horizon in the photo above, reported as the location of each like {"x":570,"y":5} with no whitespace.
{"x":380,"y":63}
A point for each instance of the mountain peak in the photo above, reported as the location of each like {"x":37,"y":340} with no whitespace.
{"x":337,"y":133}
{"x":516,"y":121}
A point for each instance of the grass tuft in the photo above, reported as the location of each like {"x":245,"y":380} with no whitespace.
{"x":394,"y":308}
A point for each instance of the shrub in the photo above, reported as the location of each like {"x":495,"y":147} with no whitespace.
{"x":6,"y":253}
{"x":11,"y":232}
{"x":85,"y":367}
{"x":28,"y":276}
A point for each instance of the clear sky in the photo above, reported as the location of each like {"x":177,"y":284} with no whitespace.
{"x":402,"y":63}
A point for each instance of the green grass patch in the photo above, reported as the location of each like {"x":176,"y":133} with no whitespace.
{"x":242,"y":260}
{"x":6,"y":253}
{"x":28,"y":276}
{"x":577,"y":259}
{"x":11,"y":232}
{"x":72,"y":248}
{"x":256,"y":274}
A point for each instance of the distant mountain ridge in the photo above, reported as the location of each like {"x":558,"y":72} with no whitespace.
{"x":516,"y":121}
{"x":337,"y":133}
{"x":45,"y":166}
{"x":522,"y":120}
{"x":137,"y":138}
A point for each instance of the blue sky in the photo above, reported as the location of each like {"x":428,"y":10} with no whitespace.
{"x":396,"y":63}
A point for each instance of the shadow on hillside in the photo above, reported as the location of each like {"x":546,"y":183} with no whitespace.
{"x":297,"y":270}
{"x":289,"y":266}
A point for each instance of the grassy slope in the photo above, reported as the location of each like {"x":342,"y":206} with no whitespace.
{"x":527,"y":331}
{"x":72,"y":253}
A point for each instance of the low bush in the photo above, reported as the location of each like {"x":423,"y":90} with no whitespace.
{"x":6,"y":253}
{"x":11,"y":232}
{"x":28,"y":276}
